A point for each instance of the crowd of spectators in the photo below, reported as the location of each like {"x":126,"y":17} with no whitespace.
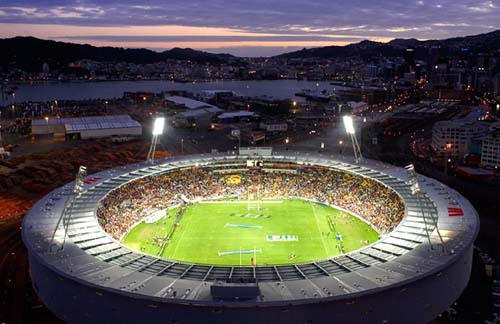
{"x":371,"y":200}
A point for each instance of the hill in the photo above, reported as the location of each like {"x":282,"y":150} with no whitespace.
{"x":483,"y":43}
{"x":29,"y":53}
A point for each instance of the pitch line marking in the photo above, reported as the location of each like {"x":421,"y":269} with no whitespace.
{"x":243,"y":226}
{"x":236,"y":252}
{"x":319,"y":230}
{"x":239,"y":201}
{"x":181,"y":237}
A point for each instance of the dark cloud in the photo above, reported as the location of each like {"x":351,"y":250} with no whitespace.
{"x":284,"y":38}
{"x":316,"y":18}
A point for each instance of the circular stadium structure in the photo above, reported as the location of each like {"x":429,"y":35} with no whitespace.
{"x":416,"y":269}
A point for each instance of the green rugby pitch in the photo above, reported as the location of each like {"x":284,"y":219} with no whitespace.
{"x":214,"y":233}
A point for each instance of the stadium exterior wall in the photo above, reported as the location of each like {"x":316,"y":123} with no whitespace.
{"x":426,"y":297}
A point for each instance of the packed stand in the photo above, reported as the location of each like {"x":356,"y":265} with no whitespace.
{"x":369,"y":199}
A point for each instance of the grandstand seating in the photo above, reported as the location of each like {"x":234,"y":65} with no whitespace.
{"x":86,"y":234}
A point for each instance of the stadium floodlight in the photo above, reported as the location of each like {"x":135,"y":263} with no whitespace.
{"x":158,"y":126}
{"x":417,"y":192}
{"x":349,"y":125}
{"x":349,"y":128}
{"x":67,"y":213}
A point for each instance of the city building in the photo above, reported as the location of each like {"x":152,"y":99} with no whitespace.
{"x":490,"y":150}
{"x":452,"y":138}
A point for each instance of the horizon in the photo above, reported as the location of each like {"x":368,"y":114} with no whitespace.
{"x":244,"y":29}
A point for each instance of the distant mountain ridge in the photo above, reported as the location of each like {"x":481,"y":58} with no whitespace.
{"x":30,"y":53}
{"x":482,"y":43}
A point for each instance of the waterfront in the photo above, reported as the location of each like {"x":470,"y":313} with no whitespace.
{"x":276,"y":89}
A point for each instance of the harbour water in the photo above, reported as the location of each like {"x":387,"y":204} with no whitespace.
{"x":276,"y":89}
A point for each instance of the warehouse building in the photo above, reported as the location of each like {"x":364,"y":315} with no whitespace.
{"x":87,"y":127}
{"x":191,"y":113}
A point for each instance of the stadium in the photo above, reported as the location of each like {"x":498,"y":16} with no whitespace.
{"x":251,"y":236}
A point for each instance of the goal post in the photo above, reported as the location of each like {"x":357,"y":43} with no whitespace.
{"x":253,"y":201}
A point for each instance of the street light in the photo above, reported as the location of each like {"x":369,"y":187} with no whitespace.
{"x":287,"y":140}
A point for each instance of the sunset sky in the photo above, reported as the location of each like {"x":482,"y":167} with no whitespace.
{"x":244,"y":27}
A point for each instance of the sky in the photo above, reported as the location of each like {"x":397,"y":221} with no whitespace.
{"x":244,"y":27}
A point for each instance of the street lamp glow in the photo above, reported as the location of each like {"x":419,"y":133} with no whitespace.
{"x":158,"y":126}
{"x":349,"y":126}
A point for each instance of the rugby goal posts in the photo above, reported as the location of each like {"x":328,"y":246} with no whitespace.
{"x":253,"y":199}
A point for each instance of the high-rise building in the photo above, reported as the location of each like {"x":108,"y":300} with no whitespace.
{"x":433,"y":57}
{"x":410,"y":58}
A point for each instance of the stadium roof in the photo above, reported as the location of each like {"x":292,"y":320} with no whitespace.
{"x":401,"y":257}
{"x":401,"y":269}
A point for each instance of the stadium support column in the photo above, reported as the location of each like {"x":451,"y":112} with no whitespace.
{"x":417,"y":193}
{"x":68,"y":208}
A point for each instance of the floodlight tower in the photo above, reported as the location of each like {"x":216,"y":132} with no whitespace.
{"x":158,"y":126}
{"x":3,"y":153}
{"x":68,"y":207}
{"x":349,"y":128}
{"x":418,"y":193}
